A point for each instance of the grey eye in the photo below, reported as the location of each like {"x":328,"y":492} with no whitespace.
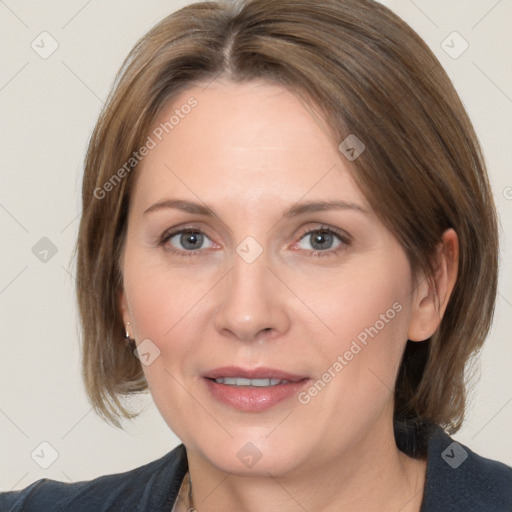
{"x":188,"y":240}
{"x":320,"y":239}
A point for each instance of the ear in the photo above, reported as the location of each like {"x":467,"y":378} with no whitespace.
{"x":431,"y":298}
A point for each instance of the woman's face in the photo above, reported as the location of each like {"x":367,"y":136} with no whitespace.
{"x":267,"y":284}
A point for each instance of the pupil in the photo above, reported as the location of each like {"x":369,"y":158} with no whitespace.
{"x":321,"y":237}
{"x":191,"y":240}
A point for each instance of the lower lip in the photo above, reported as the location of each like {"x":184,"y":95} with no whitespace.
{"x":254,"y":399}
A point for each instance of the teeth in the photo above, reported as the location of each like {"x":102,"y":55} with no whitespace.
{"x":241,"y":381}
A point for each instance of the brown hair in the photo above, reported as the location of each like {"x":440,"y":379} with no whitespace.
{"x":367,"y":73}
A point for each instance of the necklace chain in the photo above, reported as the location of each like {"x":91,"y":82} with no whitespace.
{"x":191,"y":506}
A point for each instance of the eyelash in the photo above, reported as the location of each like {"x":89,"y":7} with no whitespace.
{"x":342,"y":237}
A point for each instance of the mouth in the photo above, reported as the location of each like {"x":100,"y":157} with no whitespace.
{"x":252,"y":390}
{"x":243,"y":382}
{"x":257,"y":377}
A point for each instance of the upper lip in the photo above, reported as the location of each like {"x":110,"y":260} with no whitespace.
{"x":252,"y":373}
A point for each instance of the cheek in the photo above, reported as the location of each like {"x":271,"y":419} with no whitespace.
{"x":163,"y":307}
{"x":355,"y":303}
{"x":162,"y":300}
{"x":367,"y":311}
{"x":167,"y":306}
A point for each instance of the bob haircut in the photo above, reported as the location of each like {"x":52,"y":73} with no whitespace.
{"x":365,"y":72}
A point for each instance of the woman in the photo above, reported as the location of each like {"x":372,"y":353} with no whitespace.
{"x":288,"y":236}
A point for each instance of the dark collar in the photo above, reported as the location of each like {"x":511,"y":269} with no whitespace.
{"x":457,"y":479}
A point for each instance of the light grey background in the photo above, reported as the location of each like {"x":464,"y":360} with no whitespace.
{"x":49,"y":107}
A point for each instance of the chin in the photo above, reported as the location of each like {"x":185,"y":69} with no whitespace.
{"x":251,"y":454}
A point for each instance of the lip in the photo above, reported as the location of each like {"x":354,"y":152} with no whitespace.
{"x":261,"y":372}
{"x":253,"y":399}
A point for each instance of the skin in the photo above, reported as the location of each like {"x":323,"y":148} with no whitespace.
{"x":250,"y":151}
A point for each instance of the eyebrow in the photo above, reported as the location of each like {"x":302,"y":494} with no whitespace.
{"x":294,"y":211}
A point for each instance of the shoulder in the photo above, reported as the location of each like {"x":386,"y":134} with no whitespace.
{"x":153,"y":486}
{"x":459,"y":479}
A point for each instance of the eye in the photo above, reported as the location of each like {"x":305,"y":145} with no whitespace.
{"x":323,"y":241}
{"x":189,"y":241}
{"x":186,"y":241}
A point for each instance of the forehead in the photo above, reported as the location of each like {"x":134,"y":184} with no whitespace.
{"x":255,"y":141}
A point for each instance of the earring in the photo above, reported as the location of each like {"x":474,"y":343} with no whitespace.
{"x":128,"y":341}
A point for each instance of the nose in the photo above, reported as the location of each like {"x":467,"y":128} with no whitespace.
{"x":252,"y":303}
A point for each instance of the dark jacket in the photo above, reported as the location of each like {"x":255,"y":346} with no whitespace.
{"x":457,"y":480}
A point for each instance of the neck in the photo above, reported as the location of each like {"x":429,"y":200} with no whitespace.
{"x":373,"y":476}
